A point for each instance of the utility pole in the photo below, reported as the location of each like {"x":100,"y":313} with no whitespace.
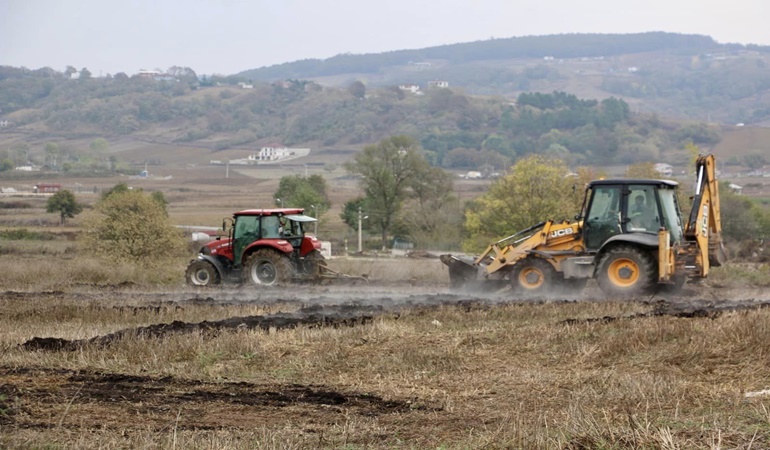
{"x":315,"y":224}
{"x":360,"y":219}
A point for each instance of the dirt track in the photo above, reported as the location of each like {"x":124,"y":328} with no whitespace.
{"x":45,"y":398}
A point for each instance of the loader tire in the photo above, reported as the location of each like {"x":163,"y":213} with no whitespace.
{"x":268,"y":268}
{"x":533,"y":276}
{"x":202,"y":274}
{"x":627,"y":271}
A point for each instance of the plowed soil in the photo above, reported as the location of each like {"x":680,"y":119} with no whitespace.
{"x":39,"y":398}
{"x":45,"y":399}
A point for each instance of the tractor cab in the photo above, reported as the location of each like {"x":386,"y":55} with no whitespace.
{"x":282,"y":229}
{"x":264,"y":247}
{"x":623,"y":207}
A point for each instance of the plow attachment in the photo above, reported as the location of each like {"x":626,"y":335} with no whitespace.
{"x":327,"y":274}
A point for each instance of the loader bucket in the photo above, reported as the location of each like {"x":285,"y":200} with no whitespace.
{"x":462,"y":270}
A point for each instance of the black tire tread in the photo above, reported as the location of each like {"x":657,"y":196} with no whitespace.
{"x":214,"y":278}
{"x":647,"y":266}
{"x":549,"y":273}
{"x":283,"y":267}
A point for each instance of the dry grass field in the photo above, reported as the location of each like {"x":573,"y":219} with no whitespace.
{"x":385,"y":365}
{"x":112,"y":356}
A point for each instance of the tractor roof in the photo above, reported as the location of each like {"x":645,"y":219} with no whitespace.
{"x":269,"y":212}
{"x":629,"y":181}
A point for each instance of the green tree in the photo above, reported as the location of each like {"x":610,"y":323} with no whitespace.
{"x":536,"y":190}
{"x":386,"y":171}
{"x":357,"y":89}
{"x":349,"y":213}
{"x":161,"y":200}
{"x":99,"y":146}
{"x":642,"y":170}
{"x":132,"y":226}
{"x":117,"y":189}
{"x":65,"y":204}
{"x":432,"y":215}
{"x":52,"y":154}
{"x":303,"y":192}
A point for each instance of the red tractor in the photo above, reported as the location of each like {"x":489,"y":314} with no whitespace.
{"x":264,"y":247}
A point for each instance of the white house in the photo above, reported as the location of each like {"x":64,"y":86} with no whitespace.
{"x":413,"y":88}
{"x":438,"y":84}
{"x":270,"y":154}
{"x":664,"y":169}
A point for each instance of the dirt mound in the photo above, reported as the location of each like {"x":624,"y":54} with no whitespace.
{"x":49,"y":398}
{"x":690,"y":310}
{"x":327,"y":316}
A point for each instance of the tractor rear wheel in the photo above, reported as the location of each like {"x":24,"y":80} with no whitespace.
{"x":314,"y":264}
{"x":626,"y":271}
{"x":533,"y":276}
{"x":267,"y":268}
{"x":202,"y":273}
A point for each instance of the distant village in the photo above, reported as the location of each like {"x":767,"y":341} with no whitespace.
{"x":266,"y":155}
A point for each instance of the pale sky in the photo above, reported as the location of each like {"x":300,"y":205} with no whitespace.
{"x":229,"y":36}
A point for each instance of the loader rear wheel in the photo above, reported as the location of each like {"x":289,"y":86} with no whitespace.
{"x":626,"y":271}
{"x":533,"y":276}
{"x":202,"y":273}
{"x":267,"y":268}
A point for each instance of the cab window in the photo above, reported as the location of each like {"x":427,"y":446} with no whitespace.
{"x":642,"y":210}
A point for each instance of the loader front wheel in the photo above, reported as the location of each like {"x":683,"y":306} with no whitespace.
{"x":201,"y":273}
{"x":626,"y":271}
{"x":533,"y":276}
{"x":267,"y":268}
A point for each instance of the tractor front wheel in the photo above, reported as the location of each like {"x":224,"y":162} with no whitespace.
{"x":626,"y":271}
{"x":202,"y":273}
{"x":267,"y":268}
{"x":533,"y":276}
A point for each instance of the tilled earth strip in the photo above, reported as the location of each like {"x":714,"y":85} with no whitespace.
{"x":47,"y":398}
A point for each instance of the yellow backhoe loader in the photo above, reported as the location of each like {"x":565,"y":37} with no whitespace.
{"x":630,"y":236}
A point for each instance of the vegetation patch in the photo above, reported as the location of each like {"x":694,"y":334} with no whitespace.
{"x":23,"y":234}
{"x":15,"y":204}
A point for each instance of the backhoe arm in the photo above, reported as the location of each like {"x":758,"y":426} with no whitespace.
{"x":704,"y":225}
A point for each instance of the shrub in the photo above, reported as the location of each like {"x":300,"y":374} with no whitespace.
{"x":132,"y":226}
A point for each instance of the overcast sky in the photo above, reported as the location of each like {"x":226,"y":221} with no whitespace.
{"x":229,"y":36}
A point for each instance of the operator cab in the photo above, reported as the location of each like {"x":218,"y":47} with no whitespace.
{"x":285,"y":224}
{"x":616,"y":207}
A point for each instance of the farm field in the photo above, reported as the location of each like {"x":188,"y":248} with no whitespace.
{"x":108,"y":356}
{"x":389,"y":364}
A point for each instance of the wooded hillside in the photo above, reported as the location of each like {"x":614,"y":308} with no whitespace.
{"x":609,"y":99}
{"x":675,"y":75}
